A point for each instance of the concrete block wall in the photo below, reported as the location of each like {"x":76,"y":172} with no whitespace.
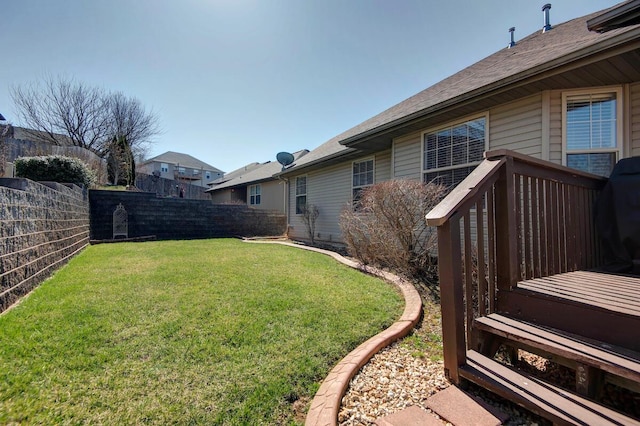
{"x":179,"y":219}
{"x":42,"y":225}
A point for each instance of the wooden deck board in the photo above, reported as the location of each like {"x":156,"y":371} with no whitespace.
{"x":609,"y":358}
{"x":618,"y":293}
{"x":559,"y":405}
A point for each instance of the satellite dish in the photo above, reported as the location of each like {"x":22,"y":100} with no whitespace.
{"x":284,"y":158}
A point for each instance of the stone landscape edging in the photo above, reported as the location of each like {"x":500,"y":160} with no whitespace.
{"x":326,"y":402}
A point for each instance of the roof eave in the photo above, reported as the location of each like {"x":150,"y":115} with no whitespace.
{"x":623,"y":15}
{"x":494,"y":87}
{"x":322,"y":161}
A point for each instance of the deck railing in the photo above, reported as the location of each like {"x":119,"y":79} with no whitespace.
{"x":513,"y":218}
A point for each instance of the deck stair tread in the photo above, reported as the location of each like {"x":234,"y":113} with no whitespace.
{"x":606,"y":357}
{"x":559,"y":405}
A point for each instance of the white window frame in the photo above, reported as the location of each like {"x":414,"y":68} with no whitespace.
{"x":449,"y":125}
{"x":306,"y":191}
{"x":618,"y":150}
{"x":373,"y":179}
{"x":164,"y":167}
{"x":255,"y":194}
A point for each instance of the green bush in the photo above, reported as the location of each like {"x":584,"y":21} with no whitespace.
{"x":55,"y":168}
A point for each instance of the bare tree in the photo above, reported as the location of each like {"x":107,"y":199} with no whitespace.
{"x":64,"y":111}
{"x":310,"y":214}
{"x":120,"y":162}
{"x":129,"y":120}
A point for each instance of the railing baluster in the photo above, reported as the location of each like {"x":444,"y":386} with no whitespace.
{"x":482,"y":280}
{"x":528,"y":260}
{"x":545,"y":239}
{"x":572,"y":222}
{"x":491,"y":237}
{"x":468,"y":274}
{"x":519,"y":213}
{"x":535,"y":229}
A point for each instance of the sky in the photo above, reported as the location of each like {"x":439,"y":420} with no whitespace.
{"x":237,"y":81}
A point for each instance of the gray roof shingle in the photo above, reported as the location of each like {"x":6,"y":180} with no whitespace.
{"x":252,"y":173}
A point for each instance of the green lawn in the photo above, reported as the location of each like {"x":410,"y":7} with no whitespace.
{"x":184,"y":332}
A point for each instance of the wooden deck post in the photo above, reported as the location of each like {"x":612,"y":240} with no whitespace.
{"x":506,"y":226}
{"x":451,"y":298}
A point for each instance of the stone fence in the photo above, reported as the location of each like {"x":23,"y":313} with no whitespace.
{"x":178,"y":218}
{"x":170,"y":188}
{"x":42,"y":225}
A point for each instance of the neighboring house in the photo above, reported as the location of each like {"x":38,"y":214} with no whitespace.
{"x":21,"y":142}
{"x":568,"y":94}
{"x":254,"y":185}
{"x":180,"y":167}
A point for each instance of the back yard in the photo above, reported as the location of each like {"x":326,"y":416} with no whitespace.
{"x":203,"y":332}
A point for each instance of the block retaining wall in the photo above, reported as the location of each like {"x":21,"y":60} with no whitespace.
{"x":42,"y":225}
{"x":179,"y":219}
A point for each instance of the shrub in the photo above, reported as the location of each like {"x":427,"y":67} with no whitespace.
{"x":54,"y":168}
{"x":310,"y":214}
{"x":387,"y":227}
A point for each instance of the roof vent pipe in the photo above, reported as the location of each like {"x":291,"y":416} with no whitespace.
{"x":512,"y":30}
{"x":547,"y":25}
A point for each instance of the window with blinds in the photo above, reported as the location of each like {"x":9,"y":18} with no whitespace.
{"x":451,"y":153}
{"x":592,"y":132}
{"x":301,"y":194}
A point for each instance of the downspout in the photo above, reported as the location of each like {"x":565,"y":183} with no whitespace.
{"x":287,"y":197}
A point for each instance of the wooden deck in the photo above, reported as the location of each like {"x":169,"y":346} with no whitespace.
{"x":614,"y":292}
{"x":518,"y":257}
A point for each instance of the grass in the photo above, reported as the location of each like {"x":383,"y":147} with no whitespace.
{"x":184,"y":332}
{"x":425,"y":341}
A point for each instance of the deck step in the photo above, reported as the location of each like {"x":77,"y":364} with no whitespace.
{"x":609,"y":358}
{"x":556,"y":404}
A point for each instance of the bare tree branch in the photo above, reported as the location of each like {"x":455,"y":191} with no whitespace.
{"x":64,"y":111}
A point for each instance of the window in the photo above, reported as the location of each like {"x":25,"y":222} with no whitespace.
{"x":451,"y":153}
{"x":196,"y":172}
{"x":301,"y":194}
{"x":181,"y":170}
{"x":254,"y":195}
{"x":592,"y":131}
{"x":164,"y":167}
{"x":207,"y":175}
{"x":362,"y":177}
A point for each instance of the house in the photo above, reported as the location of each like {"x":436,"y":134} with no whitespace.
{"x":254,"y":185}
{"x":180,"y":167}
{"x":565,"y":93}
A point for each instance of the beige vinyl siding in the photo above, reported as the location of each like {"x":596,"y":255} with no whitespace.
{"x":271,"y":196}
{"x":517,"y":126}
{"x":382,"y":166}
{"x":555,"y":127}
{"x":330,"y":190}
{"x":407,"y":152}
{"x":634,"y":103}
{"x":221,"y":197}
